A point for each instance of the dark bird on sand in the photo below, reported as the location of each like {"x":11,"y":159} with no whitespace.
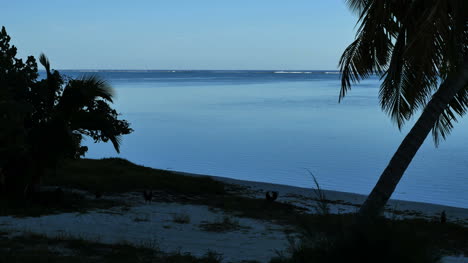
{"x":271,"y":196}
{"x":148,"y":195}
{"x":443,"y":217}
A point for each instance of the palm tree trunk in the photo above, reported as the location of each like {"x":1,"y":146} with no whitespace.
{"x":392,"y":174}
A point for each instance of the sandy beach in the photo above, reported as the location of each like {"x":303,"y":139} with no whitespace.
{"x":343,"y":202}
{"x":153,"y":224}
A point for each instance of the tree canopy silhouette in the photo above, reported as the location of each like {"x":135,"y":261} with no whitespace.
{"x":44,"y":120}
{"x":420,"y":50}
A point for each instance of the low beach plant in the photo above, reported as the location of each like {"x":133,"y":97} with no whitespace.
{"x":181,"y":218}
{"x":225,"y":224}
{"x":144,"y":218}
{"x":322,"y":206}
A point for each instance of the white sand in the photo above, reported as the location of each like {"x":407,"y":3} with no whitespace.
{"x":152,"y":225}
{"x":455,"y":259}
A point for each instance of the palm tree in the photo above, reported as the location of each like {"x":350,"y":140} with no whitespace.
{"x":420,"y":50}
{"x":67,"y":110}
{"x":43,"y":121}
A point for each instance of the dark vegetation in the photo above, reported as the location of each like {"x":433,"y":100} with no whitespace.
{"x":47,"y":202}
{"x":225,"y":224}
{"x":181,"y":218}
{"x":116,"y":175}
{"x":336,"y":238}
{"x":37,"y":249}
{"x":42,"y":121}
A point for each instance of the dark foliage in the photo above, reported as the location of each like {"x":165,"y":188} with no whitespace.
{"x":334,"y":238}
{"x":43,"y":121}
{"x":411,"y":45}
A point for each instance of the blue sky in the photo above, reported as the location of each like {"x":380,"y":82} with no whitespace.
{"x":182,"y":34}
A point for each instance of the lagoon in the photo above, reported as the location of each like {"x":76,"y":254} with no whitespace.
{"x":271,"y":126}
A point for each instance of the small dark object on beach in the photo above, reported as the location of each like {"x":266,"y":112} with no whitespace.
{"x":443,"y":217}
{"x":271,"y":196}
{"x":148,"y":195}
{"x":98,"y":194}
{"x":59,"y":195}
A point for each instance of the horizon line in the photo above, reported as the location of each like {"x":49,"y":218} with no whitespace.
{"x":91,"y":69}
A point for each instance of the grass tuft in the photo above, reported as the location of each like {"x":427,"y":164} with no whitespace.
{"x":226,"y":224}
{"x":322,"y":206}
{"x":181,"y":218}
{"x":32,"y":248}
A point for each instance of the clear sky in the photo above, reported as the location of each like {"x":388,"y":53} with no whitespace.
{"x":181,"y":34}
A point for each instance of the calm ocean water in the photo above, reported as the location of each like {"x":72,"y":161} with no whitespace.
{"x":271,"y":126}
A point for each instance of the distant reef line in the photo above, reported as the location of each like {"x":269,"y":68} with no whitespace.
{"x":206,"y":71}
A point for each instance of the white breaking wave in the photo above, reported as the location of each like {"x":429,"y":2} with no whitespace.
{"x":293,"y":72}
{"x":87,"y":70}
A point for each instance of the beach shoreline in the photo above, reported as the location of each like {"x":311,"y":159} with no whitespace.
{"x":157,"y":224}
{"x":343,"y":202}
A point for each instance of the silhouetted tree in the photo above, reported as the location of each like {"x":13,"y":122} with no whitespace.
{"x":43,"y":121}
{"x":16,"y":79}
{"x":420,"y":49}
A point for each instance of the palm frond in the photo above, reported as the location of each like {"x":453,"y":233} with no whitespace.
{"x":353,"y":67}
{"x":54,"y":82}
{"x":422,"y":42}
{"x":94,"y":87}
{"x":369,"y":53}
{"x":79,"y":93}
{"x":98,"y":125}
{"x":417,"y":59}
{"x":444,"y":125}
{"x":358,"y":6}
{"x":45,"y":62}
{"x":116,"y":142}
